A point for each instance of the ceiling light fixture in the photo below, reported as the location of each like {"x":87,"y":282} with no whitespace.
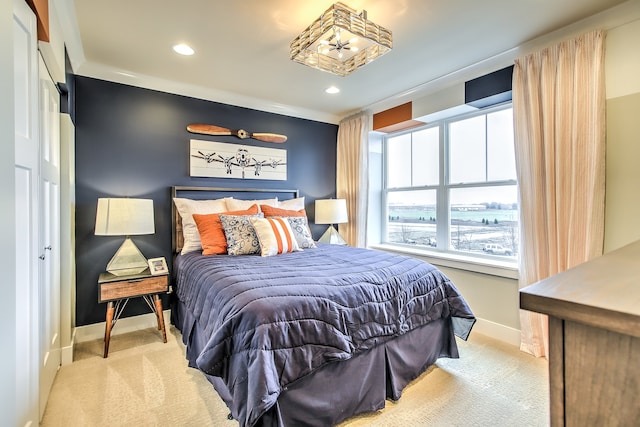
{"x":332,"y":90}
{"x":183,"y":49}
{"x":340,"y":41}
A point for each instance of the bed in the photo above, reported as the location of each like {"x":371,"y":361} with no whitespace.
{"x":312,"y":336}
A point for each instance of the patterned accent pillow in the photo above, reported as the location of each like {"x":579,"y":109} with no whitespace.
{"x":275,"y":236}
{"x":214,"y":242}
{"x":301,"y":232}
{"x":240,"y":234}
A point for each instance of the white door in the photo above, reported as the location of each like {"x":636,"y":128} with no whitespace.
{"x":26,"y":215}
{"x":49,"y":178}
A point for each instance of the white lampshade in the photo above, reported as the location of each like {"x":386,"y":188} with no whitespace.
{"x":331,"y":211}
{"x":124,"y":217}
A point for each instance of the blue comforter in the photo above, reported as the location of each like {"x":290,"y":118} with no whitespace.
{"x":269,"y":321}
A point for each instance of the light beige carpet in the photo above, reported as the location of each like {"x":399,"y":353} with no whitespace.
{"x":144,"y":382}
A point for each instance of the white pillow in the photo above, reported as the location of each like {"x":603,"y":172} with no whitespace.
{"x":241,"y":205}
{"x":186,"y":209}
{"x":275,"y":236}
{"x":292,"y":204}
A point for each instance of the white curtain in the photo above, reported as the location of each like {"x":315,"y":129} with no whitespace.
{"x":352,"y":176}
{"x":559,"y":119}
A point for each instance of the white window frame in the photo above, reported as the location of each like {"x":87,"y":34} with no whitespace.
{"x":443,"y":254}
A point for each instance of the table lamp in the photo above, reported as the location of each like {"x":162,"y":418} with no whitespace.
{"x":331,"y":211}
{"x":125,"y":217}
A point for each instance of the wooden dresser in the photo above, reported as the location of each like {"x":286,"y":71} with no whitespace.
{"x":594,"y":339}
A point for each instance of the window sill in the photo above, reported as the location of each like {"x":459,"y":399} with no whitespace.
{"x":507,"y":269}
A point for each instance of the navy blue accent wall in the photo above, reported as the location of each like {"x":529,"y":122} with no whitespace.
{"x":133,"y":142}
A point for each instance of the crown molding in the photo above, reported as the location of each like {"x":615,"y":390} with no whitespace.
{"x":103,"y":72}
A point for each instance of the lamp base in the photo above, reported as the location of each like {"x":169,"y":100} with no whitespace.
{"x":127,"y":260}
{"x":332,"y":237}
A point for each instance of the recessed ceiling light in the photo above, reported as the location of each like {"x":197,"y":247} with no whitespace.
{"x":183,"y":49}
{"x":332,"y":90}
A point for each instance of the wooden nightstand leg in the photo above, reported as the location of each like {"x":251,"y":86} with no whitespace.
{"x":160,"y":315}
{"x":107,"y":329}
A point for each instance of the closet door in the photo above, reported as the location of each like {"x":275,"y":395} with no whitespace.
{"x":49,"y":233}
{"x":27,"y":212}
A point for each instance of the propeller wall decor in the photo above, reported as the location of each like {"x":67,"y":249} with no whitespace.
{"x":240,"y":133}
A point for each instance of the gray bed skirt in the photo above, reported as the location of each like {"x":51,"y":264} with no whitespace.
{"x":341,"y":389}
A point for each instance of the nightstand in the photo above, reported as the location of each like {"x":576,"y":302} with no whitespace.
{"x":116,"y":291}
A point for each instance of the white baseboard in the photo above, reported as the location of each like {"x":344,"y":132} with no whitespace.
{"x":123,"y":326}
{"x":497,"y":331}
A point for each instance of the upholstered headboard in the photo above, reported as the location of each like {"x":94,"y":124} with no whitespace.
{"x":205,"y":193}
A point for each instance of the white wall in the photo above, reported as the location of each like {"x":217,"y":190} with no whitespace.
{"x":53,"y":53}
{"x":67,"y":238}
{"x":7,"y":220}
{"x":622,"y":62}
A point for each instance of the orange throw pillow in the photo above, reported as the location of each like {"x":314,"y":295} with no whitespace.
{"x":271,"y":211}
{"x":212,"y":235}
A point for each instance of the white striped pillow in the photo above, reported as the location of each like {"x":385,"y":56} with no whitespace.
{"x":275,"y":236}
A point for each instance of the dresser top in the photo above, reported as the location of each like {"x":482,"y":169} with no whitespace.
{"x":603,"y":292}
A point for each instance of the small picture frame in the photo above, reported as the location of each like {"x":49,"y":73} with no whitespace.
{"x":158,"y":266}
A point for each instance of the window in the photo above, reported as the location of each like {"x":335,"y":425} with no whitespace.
{"x":451,"y":185}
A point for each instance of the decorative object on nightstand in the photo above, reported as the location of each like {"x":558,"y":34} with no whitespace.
{"x":116,"y":291}
{"x":158,"y":266}
{"x":125,"y":217}
{"x":331,"y":211}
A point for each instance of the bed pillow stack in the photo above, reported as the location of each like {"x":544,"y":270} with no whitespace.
{"x":203,"y":227}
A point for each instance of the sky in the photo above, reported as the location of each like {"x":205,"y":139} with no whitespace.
{"x":481,"y":151}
